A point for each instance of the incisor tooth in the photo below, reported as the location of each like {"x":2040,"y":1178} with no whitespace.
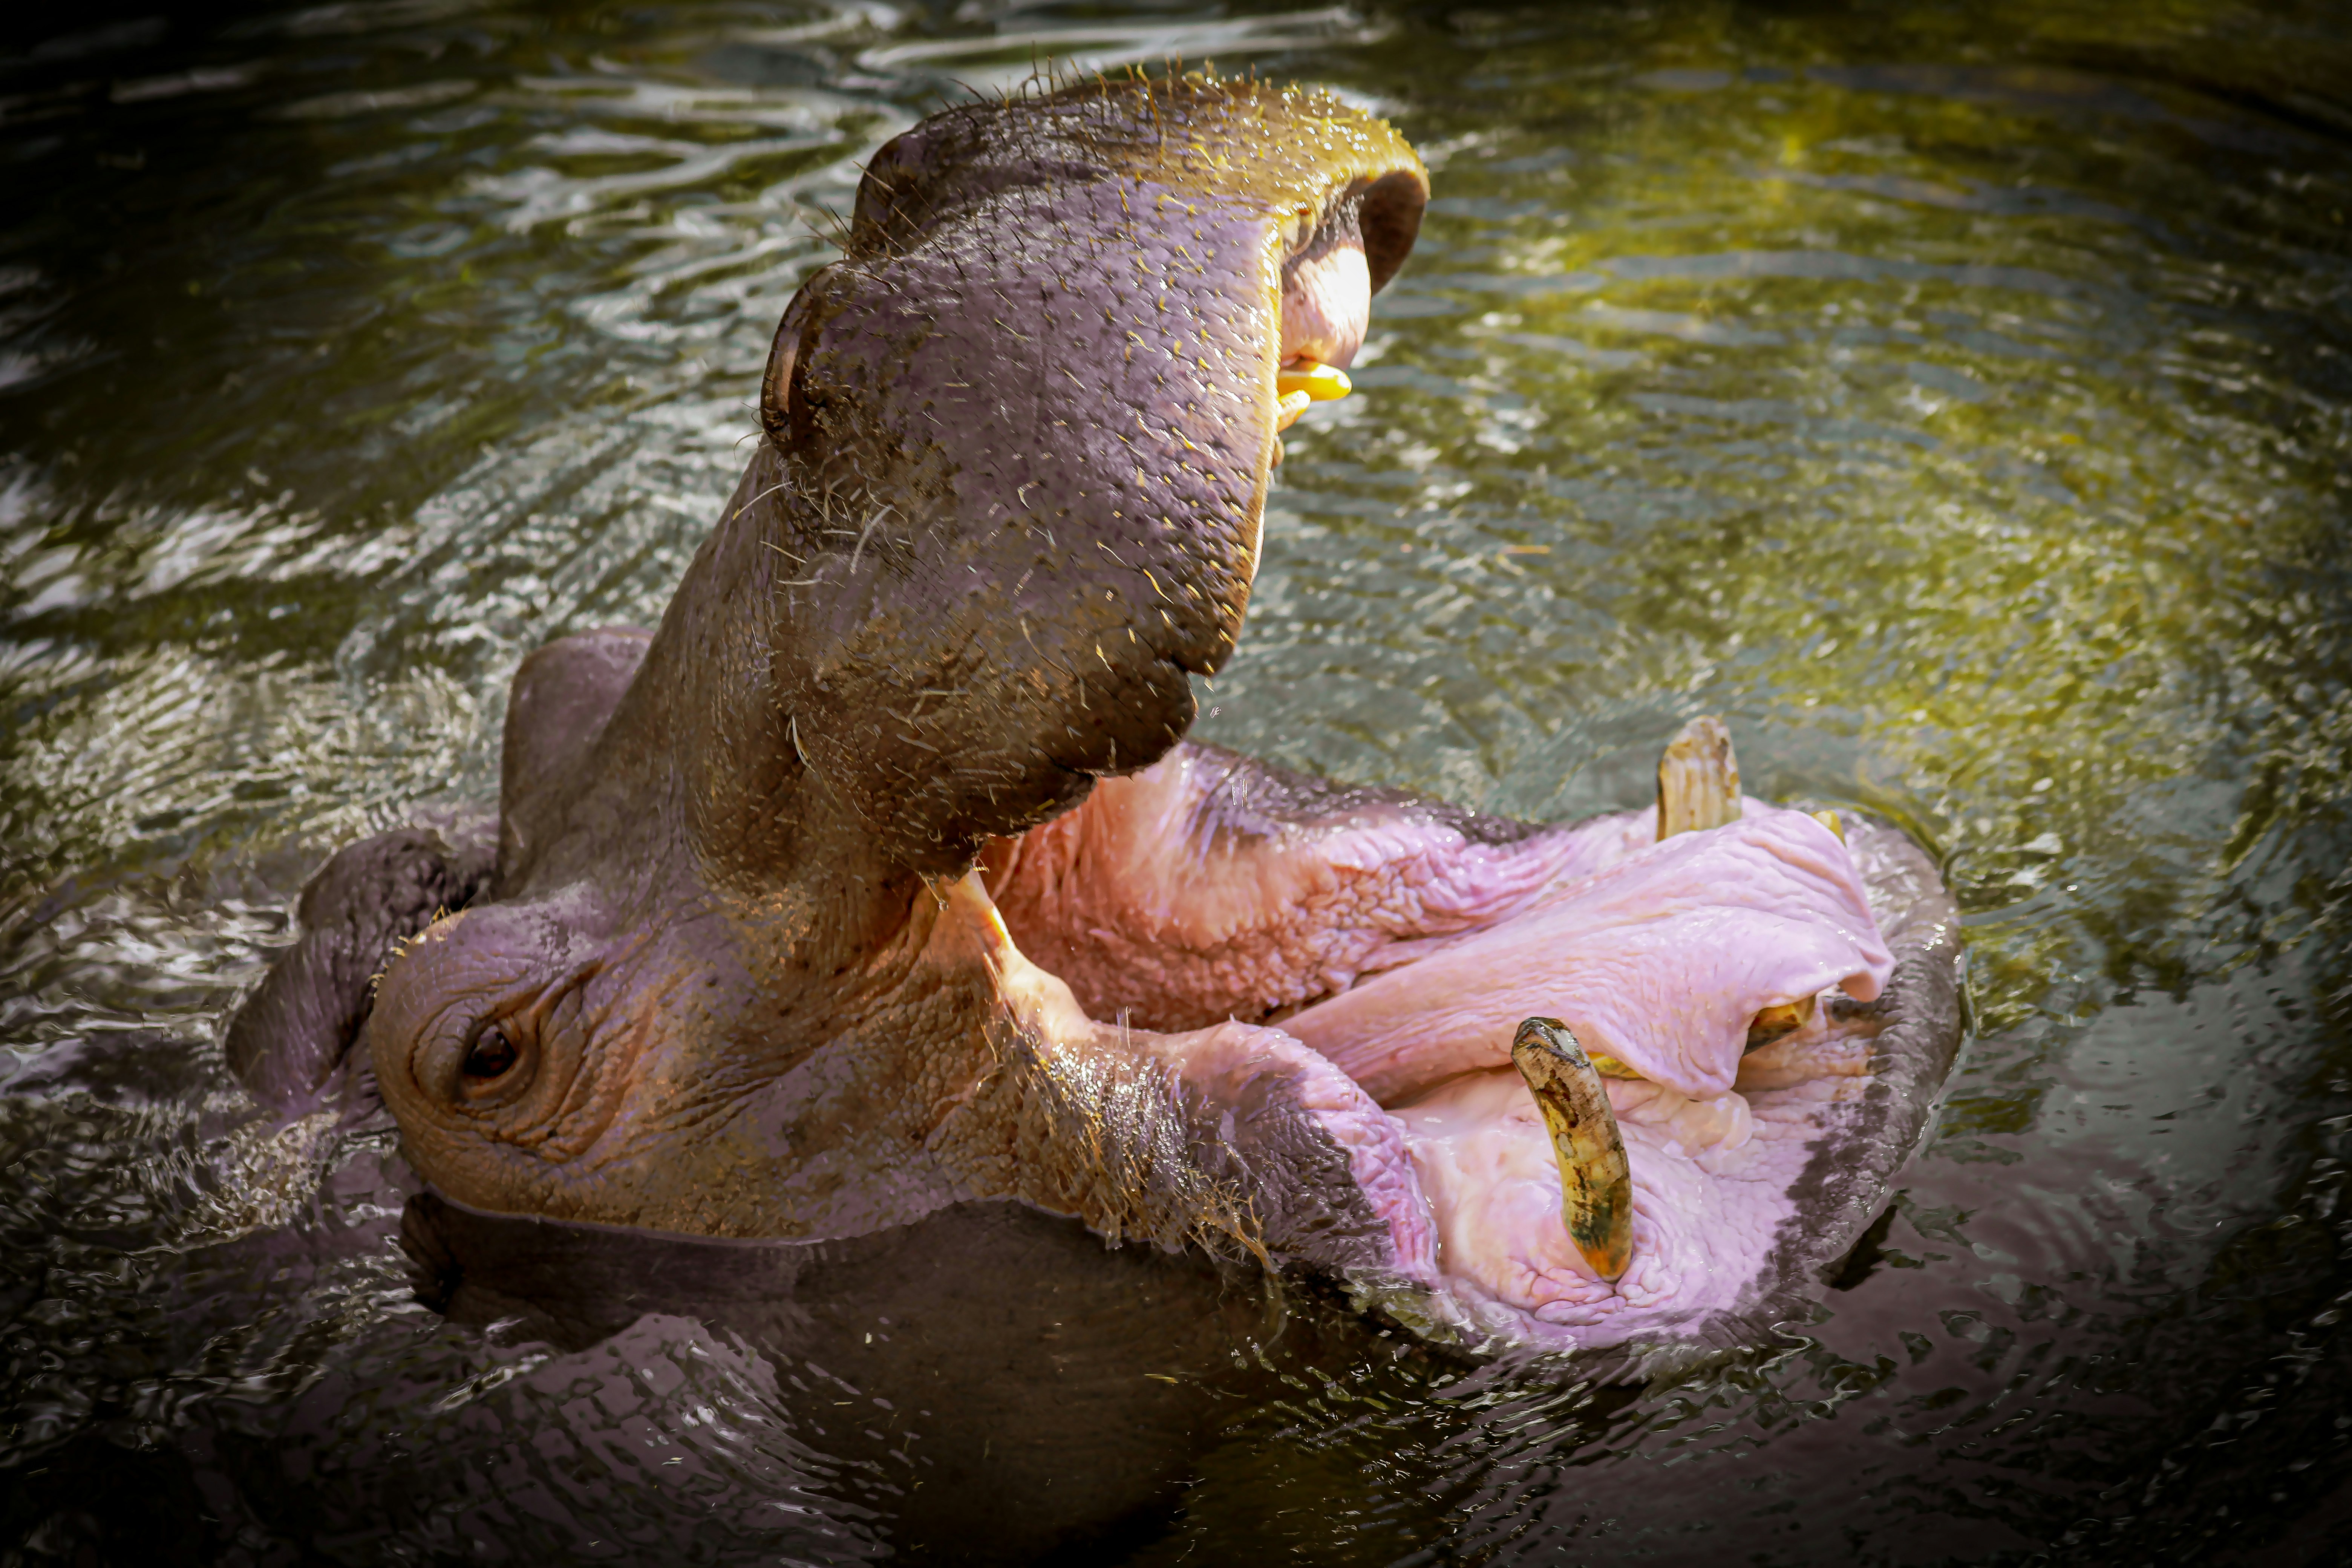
{"x":1321,"y":382}
{"x":1596,"y":1185}
{"x":1287,"y":410}
{"x":1698,"y":779}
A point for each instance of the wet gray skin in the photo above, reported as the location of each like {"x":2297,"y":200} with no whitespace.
{"x":720,"y":970}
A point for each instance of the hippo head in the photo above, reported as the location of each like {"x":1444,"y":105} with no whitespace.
{"x":1017,"y":446}
{"x":808,"y":916}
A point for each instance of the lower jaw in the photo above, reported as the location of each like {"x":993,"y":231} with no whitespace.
{"x":1715,"y":1190}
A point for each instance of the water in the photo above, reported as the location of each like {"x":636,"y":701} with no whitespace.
{"x":1955,"y":397}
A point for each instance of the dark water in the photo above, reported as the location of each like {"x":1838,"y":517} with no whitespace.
{"x":1955,"y":397}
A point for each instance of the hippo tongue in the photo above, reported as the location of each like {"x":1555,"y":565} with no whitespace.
{"x":1661,"y":961}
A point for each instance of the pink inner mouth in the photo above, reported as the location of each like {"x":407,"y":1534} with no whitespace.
{"x":1406,"y":954}
{"x":1659,"y":955}
{"x":1660,"y":959}
{"x":1327,"y":305}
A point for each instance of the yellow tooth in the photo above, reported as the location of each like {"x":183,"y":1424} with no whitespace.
{"x":1698,"y":779}
{"x":1829,"y":819}
{"x":1596,"y":1185}
{"x":1286,"y":411}
{"x":1321,"y":382}
{"x":1774,"y":1022}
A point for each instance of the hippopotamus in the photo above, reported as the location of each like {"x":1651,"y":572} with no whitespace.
{"x":878,"y":893}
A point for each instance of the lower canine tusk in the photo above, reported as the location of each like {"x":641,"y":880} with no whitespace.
{"x":1773,"y":1022}
{"x":1698,"y":779}
{"x":1596,"y":1186}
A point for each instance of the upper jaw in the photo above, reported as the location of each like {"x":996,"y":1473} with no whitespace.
{"x":1022,"y":436}
{"x":1338,"y":194}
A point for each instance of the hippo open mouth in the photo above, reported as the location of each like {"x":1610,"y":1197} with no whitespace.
{"x":1749,"y":1003}
{"x":879,"y":878}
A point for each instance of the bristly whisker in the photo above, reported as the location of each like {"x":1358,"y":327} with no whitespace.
{"x":763,"y":495}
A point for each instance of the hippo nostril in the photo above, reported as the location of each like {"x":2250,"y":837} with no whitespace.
{"x":491,"y":1056}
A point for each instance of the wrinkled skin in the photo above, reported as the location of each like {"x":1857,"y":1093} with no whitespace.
{"x":877,"y":883}
{"x":739,"y":981}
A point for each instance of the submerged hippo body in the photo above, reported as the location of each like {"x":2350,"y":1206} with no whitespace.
{"x":878,"y":883}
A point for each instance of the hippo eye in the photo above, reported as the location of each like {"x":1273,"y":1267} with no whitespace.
{"x":491,"y":1056}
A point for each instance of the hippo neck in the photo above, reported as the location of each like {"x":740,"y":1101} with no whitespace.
{"x":656,"y":771}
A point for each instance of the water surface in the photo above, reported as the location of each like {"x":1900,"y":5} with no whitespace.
{"x":1956,"y":398}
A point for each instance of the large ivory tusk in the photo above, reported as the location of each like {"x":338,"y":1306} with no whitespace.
{"x":1596,"y":1186}
{"x":1698,"y":779}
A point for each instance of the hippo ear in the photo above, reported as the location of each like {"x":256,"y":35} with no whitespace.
{"x":292,"y":1034}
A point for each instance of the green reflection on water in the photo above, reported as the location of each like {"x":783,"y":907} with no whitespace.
{"x":1957,"y":400}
